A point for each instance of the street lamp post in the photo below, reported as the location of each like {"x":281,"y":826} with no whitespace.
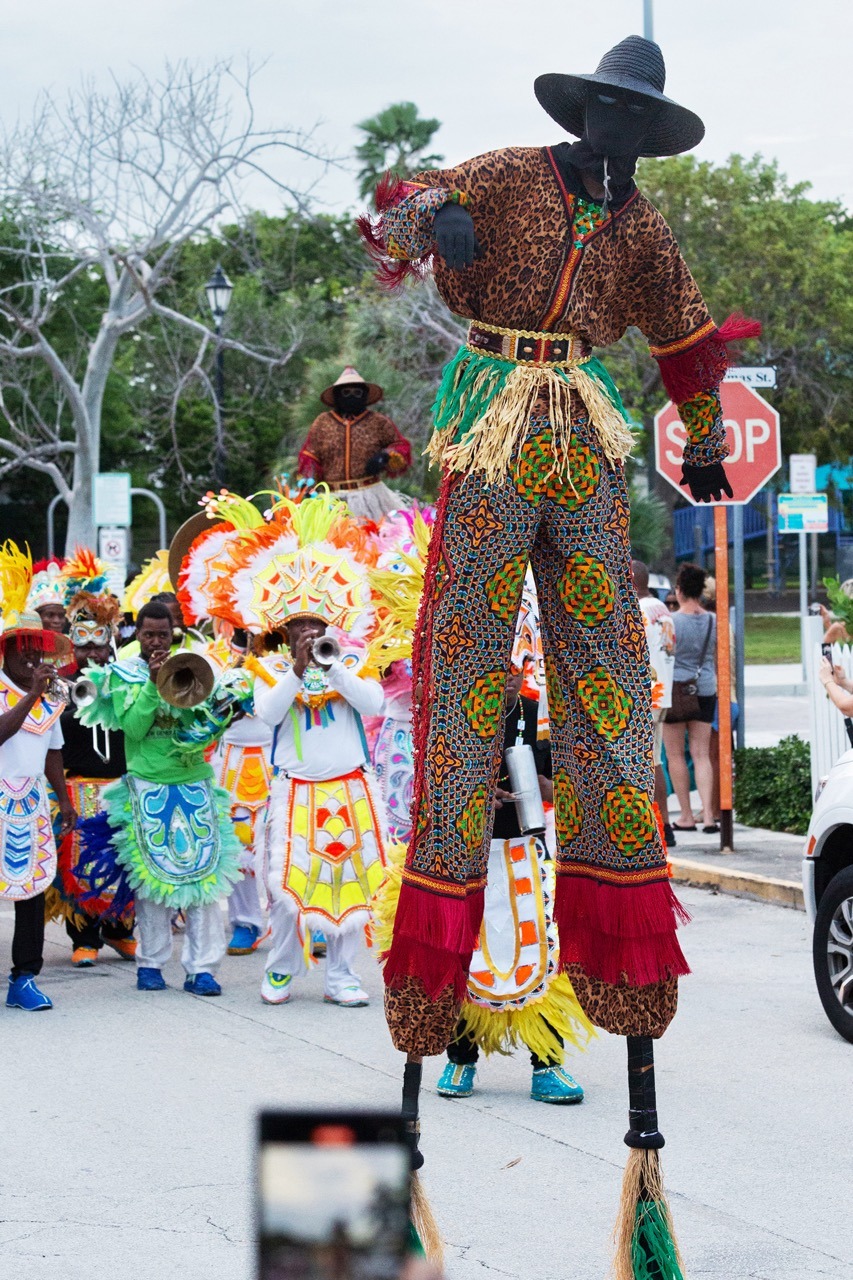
{"x":219,"y":289}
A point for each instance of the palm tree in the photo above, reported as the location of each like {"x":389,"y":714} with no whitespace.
{"x":395,"y":139}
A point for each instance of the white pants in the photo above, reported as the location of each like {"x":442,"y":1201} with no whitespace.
{"x":204,"y":937}
{"x":287,"y":951}
{"x":244,"y":905}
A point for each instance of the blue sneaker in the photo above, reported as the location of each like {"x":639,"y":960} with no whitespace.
{"x":202,"y":984}
{"x":24,"y":994}
{"x":457,"y":1080}
{"x":553,"y":1084}
{"x":245,"y":939}
{"x":150,"y":980}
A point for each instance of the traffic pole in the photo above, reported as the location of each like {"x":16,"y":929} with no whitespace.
{"x":724,"y":678}
{"x":740,"y":624}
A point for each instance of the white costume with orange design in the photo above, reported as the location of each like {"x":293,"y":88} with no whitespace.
{"x":242,"y":766}
{"x":27,"y":846}
{"x":324,"y":842}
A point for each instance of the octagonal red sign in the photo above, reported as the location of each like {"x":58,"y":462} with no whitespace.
{"x":752,"y":431}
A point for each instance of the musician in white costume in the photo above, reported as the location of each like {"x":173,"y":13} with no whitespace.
{"x":324,"y":845}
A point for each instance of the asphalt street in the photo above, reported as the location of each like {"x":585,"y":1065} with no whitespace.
{"x":128,"y":1121}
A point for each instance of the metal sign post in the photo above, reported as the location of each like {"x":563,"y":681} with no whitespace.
{"x":724,"y":679}
{"x":803,"y":513}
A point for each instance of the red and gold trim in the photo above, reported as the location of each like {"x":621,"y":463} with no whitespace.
{"x":563,"y":287}
{"x":444,"y":888}
{"x":649,"y":876}
{"x":680,"y":345}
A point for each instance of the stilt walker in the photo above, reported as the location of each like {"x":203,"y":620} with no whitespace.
{"x":550,"y":251}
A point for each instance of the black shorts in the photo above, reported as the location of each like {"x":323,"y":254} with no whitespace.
{"x":707,"y":711}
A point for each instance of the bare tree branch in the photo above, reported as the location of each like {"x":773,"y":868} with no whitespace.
{"x":115,"y":181}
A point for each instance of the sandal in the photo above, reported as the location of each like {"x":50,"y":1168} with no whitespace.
{"x":676,"y":826}
{"x":712,"y":830}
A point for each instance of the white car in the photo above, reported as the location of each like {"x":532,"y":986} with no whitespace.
{"x":828,"y":893}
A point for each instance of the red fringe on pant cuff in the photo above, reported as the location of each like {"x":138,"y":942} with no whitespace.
{"x":620,"y":933}
{"x":434,"y":939}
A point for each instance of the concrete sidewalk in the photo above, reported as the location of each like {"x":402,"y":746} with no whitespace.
{"x":764,"y":864}
{"x":774,"y":679}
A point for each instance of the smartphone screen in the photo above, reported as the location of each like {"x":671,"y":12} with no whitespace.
{"x":333,"y":1196}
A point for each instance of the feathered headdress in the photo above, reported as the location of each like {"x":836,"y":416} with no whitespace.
{"x":152,"y":578}
{"x":46,"y":585}
{"x":20,"y":621}
{"x":202,"y":564}
{"x":84,"y":572}
{"x":103,"y":610}
{"x":309,"y":560}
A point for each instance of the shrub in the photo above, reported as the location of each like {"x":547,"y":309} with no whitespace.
{"x":773,"y":786}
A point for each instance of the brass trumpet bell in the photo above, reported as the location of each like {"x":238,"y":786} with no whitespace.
{"x":186,"y":679}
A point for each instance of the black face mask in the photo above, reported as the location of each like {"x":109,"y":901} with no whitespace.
{"x":350,"y":400}
{"x":616,"y":122}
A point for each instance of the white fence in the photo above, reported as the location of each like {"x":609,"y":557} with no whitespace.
{"x":827,"y":731}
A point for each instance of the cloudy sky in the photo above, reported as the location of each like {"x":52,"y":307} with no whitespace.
{"x":766,"y":75}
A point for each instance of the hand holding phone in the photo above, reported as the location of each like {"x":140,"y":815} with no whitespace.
{"x":333,"y":1196}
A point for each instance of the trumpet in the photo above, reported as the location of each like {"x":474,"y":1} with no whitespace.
{"x":58,"y":690}
{"x":325,"y":650}
{"x":186,"y":679}
{"x":83,"y":692}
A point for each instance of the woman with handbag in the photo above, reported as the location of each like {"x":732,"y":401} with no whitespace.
{"x":694,"y":699}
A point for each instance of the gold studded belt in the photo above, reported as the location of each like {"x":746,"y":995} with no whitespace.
{"x":523,"y":346}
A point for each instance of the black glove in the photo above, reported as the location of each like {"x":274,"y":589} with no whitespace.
{"x":453,"y":228}
{"x":377,"y":463}
{"x":706,"y":484}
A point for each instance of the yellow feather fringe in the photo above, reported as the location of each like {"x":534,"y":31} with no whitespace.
{"x":495,"y":1031}
{"x":58,"y":908}
{"x":16,"y":575}
{"x":493,"y":444}
{"x":506,"y":1030}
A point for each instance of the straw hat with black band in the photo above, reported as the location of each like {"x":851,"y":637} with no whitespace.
{"x":351,"y":378}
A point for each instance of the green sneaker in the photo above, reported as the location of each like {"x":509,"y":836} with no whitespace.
{"x":457,"y":1080}
{"x":553,"y":1084}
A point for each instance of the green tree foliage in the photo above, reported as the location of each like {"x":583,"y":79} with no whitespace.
{"x":649,"y":526}
{"x":756,"y":243}
{"x":396,"y":139}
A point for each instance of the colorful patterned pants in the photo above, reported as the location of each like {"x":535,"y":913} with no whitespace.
{"x":598,"y":680}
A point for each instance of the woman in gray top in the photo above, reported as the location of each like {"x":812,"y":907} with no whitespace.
{"x":695,"y":660}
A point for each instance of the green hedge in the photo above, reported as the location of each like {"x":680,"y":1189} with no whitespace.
{"x":773,"y":786}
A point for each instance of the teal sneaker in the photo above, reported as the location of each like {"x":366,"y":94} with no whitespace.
{"x":275,"y":988}
{"x":553,"y":1084}
{"x":457,"y":1080}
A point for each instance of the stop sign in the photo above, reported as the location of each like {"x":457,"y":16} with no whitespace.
{"x":752,"y":432}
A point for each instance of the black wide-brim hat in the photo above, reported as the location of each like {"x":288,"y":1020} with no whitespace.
{"x":634,"y":64}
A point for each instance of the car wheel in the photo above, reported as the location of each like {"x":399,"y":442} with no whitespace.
{"x":832,"y":951}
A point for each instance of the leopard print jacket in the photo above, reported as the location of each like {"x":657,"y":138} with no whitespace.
{"x":542,"y":268}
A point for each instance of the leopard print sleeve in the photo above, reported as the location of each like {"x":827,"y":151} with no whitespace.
{"x":671,"y":312}
{"x":401,"y":239}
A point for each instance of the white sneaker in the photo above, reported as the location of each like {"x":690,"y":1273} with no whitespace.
{"x":351,"y":997}
{"x":275,"y":988}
